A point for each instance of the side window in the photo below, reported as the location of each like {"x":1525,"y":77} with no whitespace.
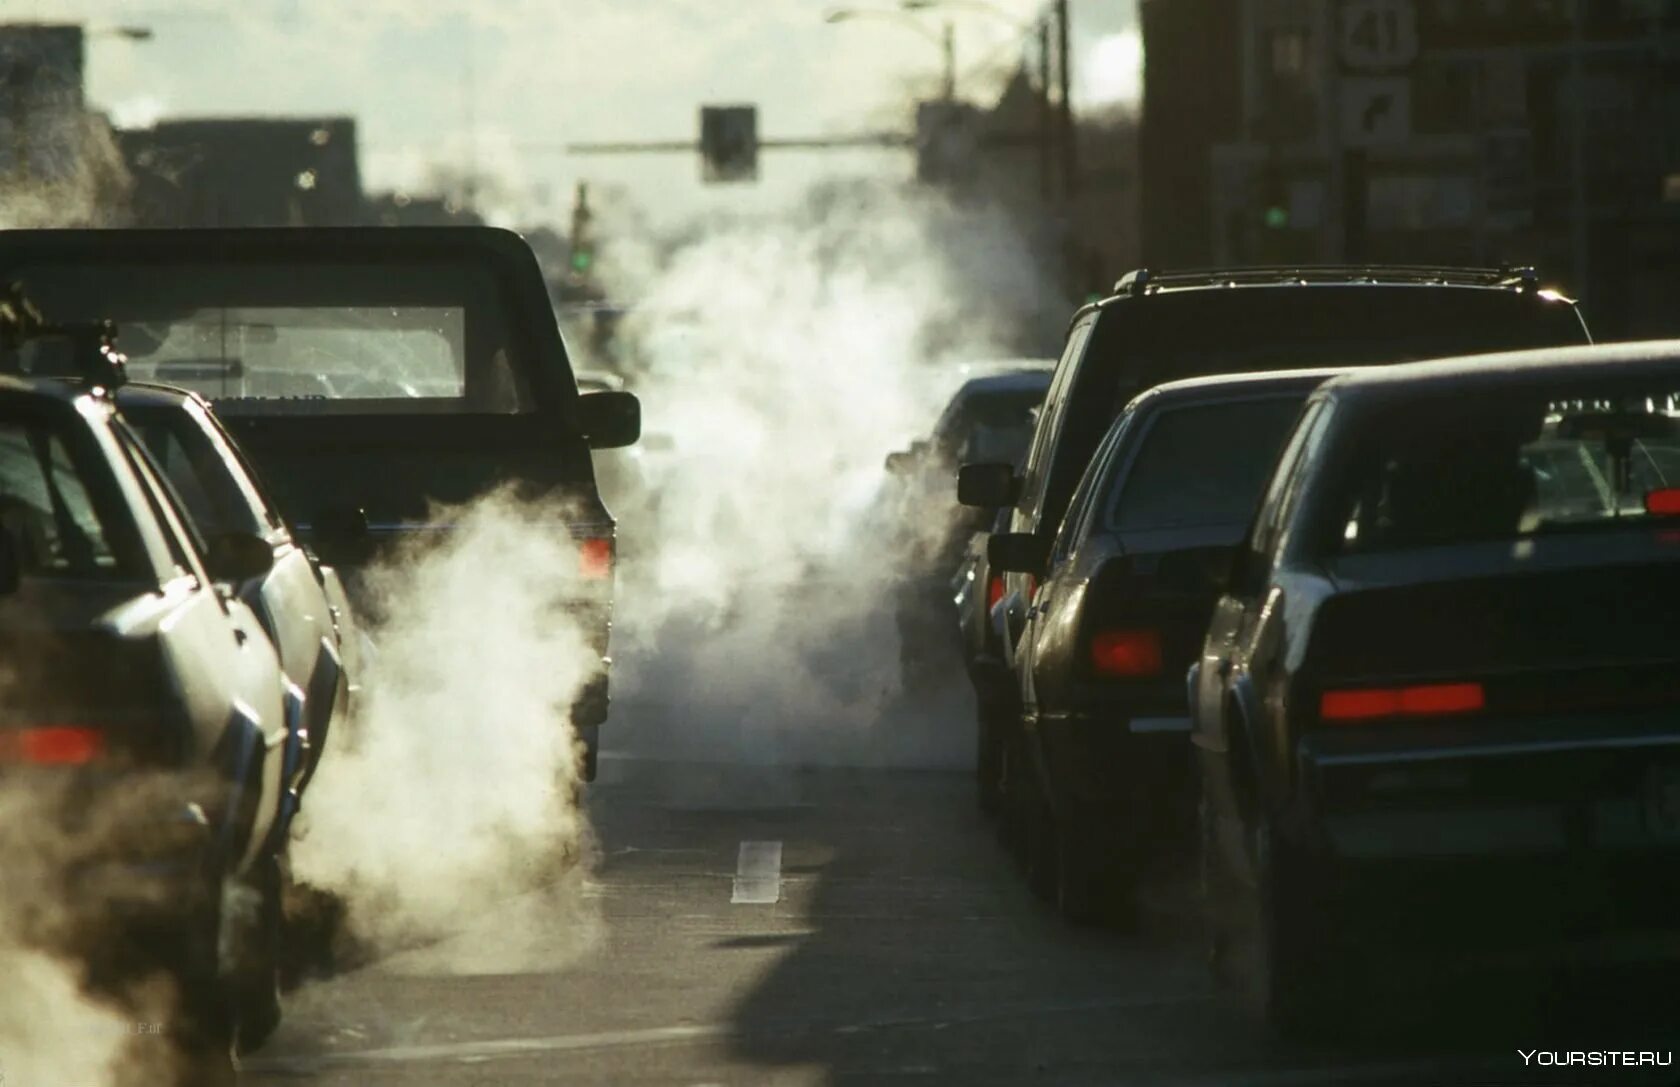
{"x":1285,"y":486}
{"x":1050,"y":419}
{"x":1092,"y":488}
{"x":163,"y":506}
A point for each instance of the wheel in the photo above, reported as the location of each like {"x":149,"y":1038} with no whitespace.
{"x":988,"y":762}
{"x":589,"y":736}
{"x":1299,"y":984}
{"x":1213,"y":893}
{"x":1040,"y":850}
{"x":254,"y":973}
{"x":202,"y":1033}
{"x":1095,"y":884}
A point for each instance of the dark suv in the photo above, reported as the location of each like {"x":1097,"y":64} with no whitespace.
{"x":1161,"y":327}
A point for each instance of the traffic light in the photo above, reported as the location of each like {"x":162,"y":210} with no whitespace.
{"x":729,"y":143}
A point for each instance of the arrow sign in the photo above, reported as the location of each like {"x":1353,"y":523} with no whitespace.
{"x":1375,"y":111}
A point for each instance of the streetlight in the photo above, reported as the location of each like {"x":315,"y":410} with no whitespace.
{"x":945,"y":38}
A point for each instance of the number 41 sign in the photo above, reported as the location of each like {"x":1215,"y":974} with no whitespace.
{"x":1377,"y":35}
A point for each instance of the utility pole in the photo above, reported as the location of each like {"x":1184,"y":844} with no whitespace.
{"x":1070,"y":151}
{"x":1046,"y":114}
{"x":1581,"y":232}
{"x":948,"y":48}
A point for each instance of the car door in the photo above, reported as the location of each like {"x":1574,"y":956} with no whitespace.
{"x":227,"y":669}
{"x":1018,"y":588}
{"x":1059,"y":591}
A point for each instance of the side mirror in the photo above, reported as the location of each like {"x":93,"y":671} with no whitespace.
{"x":987,"y":486}
{"x":1018,"y":553}
{"x":898,"y":463}
{"x":238,"y":557}
{"x":610,"y":420}
{"x":11,"y":571}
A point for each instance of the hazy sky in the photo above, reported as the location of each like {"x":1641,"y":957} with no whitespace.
{"x":527,"y":76}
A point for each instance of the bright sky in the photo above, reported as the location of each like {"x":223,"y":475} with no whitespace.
{"x":527,"y":76}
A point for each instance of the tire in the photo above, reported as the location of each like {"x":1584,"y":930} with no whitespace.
{"x":202,"y":1032}
{"x":590,"y":737}
{"x":1214,"y":895}
{"x":255,"y":980}
{"x":988,"y":763}
{"x":1299,"y":985}
{"x":1095,"y":882}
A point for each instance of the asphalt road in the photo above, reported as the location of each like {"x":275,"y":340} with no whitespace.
{"x":767,"y":926}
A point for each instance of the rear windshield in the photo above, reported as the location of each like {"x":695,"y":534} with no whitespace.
{"x":276,"y":339}
{"x":1195,"y":333}
{"x":1509,"y":468}
{"x":49,"y":515}
{"x":992,"y":427}
{"x":1202,"y":465}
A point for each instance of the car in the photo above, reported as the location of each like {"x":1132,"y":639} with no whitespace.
{"x":1437,"y":708}
{"x":144,"y":687}
{"x":1124,"y":595}
{"x":372,"y":375}
{"x":301,"y":602}
{"x":1165,"y":326}
{"x":988,"y":418}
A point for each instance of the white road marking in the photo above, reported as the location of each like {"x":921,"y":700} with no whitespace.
{"x":758,"y":874}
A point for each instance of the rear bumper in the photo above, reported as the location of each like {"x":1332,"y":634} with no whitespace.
{"x":1538,"y":833}
{"x":1131,"y":771}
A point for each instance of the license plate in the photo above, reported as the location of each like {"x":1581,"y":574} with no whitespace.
{"x":1661,"y":802}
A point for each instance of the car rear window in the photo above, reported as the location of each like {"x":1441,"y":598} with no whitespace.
{"x":48,"y":511}
{"x":1202,"y":465}
{"x":995,"y":426}
{"x":1511,"y":467}
{"x":419,"y":338}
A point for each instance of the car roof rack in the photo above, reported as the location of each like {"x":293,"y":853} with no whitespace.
{"x":1141,"y":281}
{"x":93,"y":344}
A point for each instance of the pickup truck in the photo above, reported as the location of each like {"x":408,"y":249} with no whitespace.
{"x":373,"y":376}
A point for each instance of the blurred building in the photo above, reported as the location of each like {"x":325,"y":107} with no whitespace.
{"x":245,"y":171}
{"x":41,"y":109}
{"x":1423,"y":131}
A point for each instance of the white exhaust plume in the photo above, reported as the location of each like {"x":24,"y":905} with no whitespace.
{"x":454,"y":789}
{"x":77,"y":1006}
{"x":784,"y":360}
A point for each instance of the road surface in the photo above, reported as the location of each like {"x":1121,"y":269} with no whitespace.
{"x":778,"y":926}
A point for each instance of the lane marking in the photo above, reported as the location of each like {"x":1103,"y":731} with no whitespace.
{"x":758,"y":874}
{"x":495,"y":1048}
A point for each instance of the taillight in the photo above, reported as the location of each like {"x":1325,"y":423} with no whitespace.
{"x":595,"y":557}
{"x":1126,"y":652}
{"x":1664,"y":502}
{"x":1425,"y":700}
{"x":994,"y":591}
{"x":51,"y":745}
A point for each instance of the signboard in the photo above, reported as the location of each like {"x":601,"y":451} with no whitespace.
{"x":1377,"y":35}
{"x":1375,"y":111}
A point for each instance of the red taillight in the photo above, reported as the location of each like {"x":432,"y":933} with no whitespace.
{"x":1126,"y":652}
{"x":595,"y":557}
{"x":1425,"y":700}
{"x":994,"y":591}
{"x":51,"y":745}
{"x":1664,"y":502}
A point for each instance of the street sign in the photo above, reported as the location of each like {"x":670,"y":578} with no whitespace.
{"x":1375,"y":111}
{"x":1377,"y":35}
{"x":729,"y":143}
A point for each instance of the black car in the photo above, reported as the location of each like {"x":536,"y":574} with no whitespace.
{"x":1162,"y":327}
{"x":300,"y":601}
{"x":988,"y":418}
{"x":370,"y":374}
{"x":1124,"y":595}
{"x":143,"y":699}
{"x":1438,"y":704}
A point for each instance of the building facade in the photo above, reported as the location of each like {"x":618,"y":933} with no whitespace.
{"x":1452,"y":131}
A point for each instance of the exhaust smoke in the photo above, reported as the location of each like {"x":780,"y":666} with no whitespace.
{"x":454,"y":788}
